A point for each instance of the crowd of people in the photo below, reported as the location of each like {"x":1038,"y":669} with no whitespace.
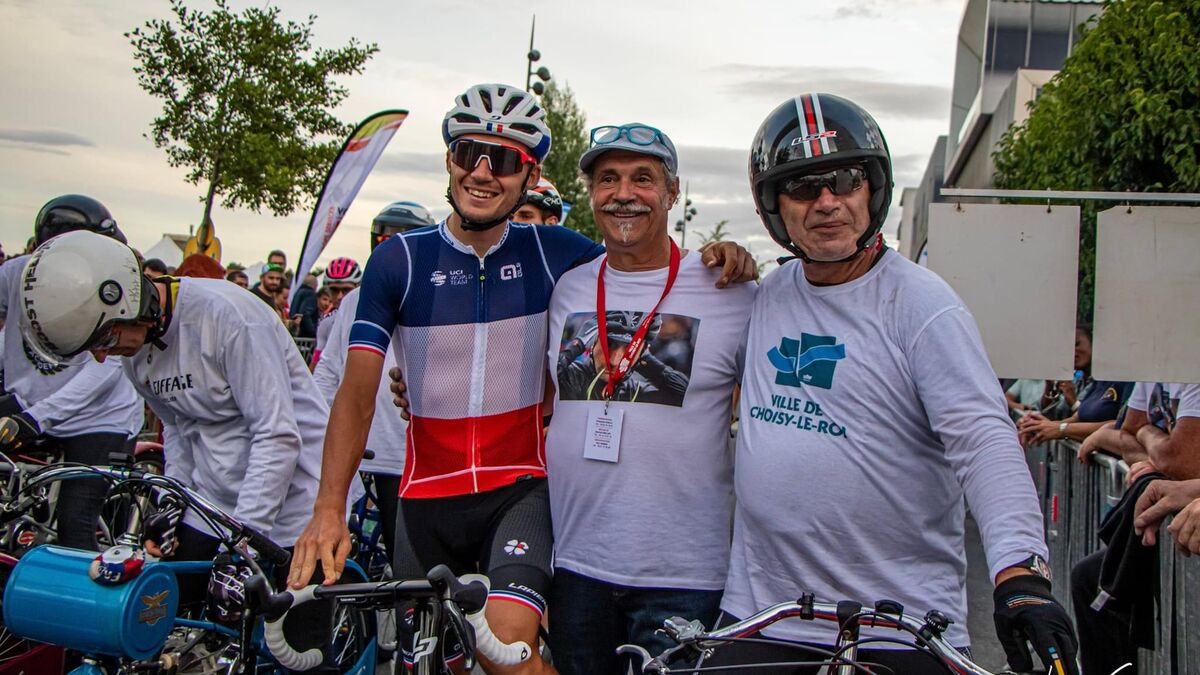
{"x":1151,"y":426}
{"x":555,"y":412}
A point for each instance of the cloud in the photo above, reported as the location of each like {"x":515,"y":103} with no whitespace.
{"x":32,"y":148}
{"x":426,"y":163}
{"x":861,"y":9}
{"x":873,"y":89}
{"x":43,"y":139}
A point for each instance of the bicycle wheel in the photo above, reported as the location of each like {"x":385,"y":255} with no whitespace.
{"x":18,"y":655}
{"x":353,"y":647}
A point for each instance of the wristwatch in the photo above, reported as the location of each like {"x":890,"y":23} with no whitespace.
{"x":1036,"y":564}
{"x":1062,"y":429}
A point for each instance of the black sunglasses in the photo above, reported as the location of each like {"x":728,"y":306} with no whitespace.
{"x":839,"y":181}
{"x":503,"y":160}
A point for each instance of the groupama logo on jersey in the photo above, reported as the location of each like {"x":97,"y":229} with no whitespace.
{"x":808,"y":361}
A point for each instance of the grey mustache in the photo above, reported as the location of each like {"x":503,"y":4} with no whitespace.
{"x":628,"y":207}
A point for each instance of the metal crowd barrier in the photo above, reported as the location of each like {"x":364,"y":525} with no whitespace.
{"x":306,"y":347}
{"x":1075,"y":497}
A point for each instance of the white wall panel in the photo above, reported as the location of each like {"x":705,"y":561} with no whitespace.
{"x":1016,"y":269}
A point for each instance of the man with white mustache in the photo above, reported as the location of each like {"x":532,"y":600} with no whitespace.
{"x":638,"y":438}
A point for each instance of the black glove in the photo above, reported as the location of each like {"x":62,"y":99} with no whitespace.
{"x":1026,"y":610}
{"x":17,"y":430}
{"x":161,"y":526}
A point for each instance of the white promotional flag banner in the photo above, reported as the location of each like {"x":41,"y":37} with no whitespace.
{"x":351,"y":168}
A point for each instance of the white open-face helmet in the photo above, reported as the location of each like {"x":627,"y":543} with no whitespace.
{"x":74,"y":288}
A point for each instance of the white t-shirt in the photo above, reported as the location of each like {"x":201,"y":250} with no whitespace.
{"x":387,"y":436}
{"x":659,"y":516}
{"x":81,"y":397}
{"x":868,"y":411}
{"x":1139,"y":397}
{"x":1189,"y":400}
{"x":243,"y":422}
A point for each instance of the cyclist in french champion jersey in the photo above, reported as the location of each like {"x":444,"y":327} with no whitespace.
{"x":463,"y":306}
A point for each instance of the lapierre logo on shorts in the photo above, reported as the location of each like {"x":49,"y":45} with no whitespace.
{"x":509,"y":272}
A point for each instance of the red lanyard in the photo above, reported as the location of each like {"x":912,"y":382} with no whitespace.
{"x":633,"y":351}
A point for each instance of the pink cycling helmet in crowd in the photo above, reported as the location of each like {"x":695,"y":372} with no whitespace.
{"x":344,"y":270}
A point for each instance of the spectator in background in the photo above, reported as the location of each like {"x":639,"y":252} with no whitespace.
{"x":1113,"y":589}
{"x":270,"y":282}
{"x":30,"y":245}
{"x":238,"y":277}
{"x":197,"y":266}
{"x":1092,"y":402}
{"x":324,"y":303}
{"x":153,"y":267}
{"x":304,"y":307}
{"x":278,"y":257}
{"x":543,"y":205}
{"x":1025,"y":394}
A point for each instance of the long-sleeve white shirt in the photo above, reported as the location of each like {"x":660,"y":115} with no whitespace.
{"x":242,"y":418}
{"x":387,"y":436}
{"x":868,"y":412}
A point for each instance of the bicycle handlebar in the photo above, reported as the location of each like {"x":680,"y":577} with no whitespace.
{"x":237,"y":530}
{"x":886,"y":614}
{"x":468,"y":593}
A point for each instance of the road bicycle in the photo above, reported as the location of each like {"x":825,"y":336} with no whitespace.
{"x":922,"y":634}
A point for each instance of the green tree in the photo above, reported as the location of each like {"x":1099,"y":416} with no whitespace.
{"x":718,"y":233}
{"x":1122,"y":115}
{"x":569,"y":126}
{"x":246,"y":102}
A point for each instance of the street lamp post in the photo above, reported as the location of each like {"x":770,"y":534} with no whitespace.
{"x":542,"y":72}
{"x":689,"y":212}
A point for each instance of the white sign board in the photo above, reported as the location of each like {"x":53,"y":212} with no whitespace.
{"x":1016,"y":268}
{"x":1147,"y":318}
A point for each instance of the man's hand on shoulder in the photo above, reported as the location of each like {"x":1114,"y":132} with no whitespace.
{"x":399,"y":391}
{"x":737,"y":265}
{"x":327,"y":541}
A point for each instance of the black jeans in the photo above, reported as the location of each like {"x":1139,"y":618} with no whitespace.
{"x":80,"y":500}
{"x":590,"y":618}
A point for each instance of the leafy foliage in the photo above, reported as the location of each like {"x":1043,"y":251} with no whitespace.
{"x":568,"y":124}
{"x":246,"y":102}
{"x":1122,"y":115}
{"x":718,"y":233}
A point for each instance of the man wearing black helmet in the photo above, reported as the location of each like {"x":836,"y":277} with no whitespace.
{"x":543,"y":205}
{"x":868,"y":412}
{"x":84,"y":410}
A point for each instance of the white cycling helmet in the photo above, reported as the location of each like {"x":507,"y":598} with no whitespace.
{"x":74,"y":287}
{"x":499,"y":110}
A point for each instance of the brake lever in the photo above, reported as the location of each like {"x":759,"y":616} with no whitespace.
{"x":463,"y":630}
{"x":647,"y":664}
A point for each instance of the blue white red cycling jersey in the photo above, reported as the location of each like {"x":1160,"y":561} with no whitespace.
{"x":469,"y":335}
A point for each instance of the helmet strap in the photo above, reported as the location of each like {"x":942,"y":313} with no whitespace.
{"x":158,"y":313}
{"x":479,"y":226}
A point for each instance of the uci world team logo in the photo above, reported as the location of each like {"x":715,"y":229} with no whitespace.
{"x":810,"y":360}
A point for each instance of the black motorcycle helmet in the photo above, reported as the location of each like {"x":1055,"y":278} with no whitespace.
{"x":398,"y":217}
{"x":74,"y":212}
{"x":815,"y":133}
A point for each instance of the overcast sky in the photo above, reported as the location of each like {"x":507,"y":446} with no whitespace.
{"x":705,"y":72}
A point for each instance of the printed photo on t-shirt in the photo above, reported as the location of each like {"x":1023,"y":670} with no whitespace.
{"x":659,"y":374}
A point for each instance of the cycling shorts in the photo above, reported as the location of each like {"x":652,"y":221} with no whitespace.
{"x":503,"y":533}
